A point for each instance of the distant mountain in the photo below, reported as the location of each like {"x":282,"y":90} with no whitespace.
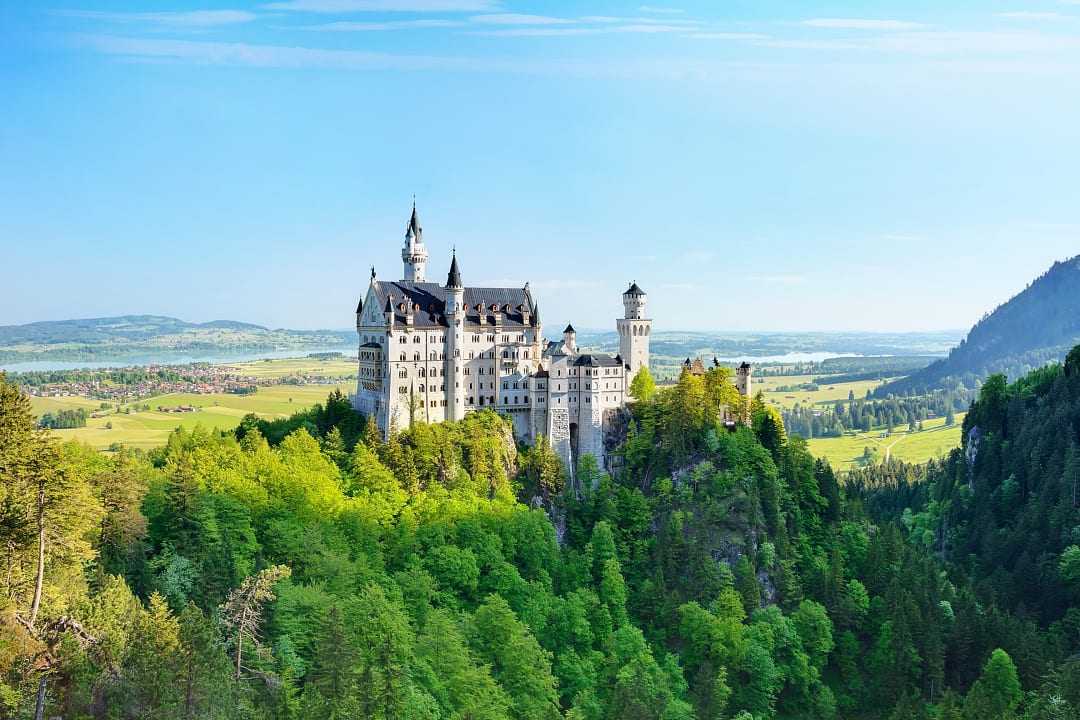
{"x":153,"y":336}
{"x":1035,"y":327}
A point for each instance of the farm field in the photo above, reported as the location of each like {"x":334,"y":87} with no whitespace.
{"x":935,"y":440}
{"x":846,"y":452}
{"x":335,"y":367}
{"x":147,"y":429}
{"x":827,"y":393}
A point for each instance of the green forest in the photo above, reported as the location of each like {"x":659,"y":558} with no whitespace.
{"x":305,"y":568}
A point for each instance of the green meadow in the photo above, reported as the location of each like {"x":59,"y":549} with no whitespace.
{"x":847,"y":451}
{"x":136,"y":428}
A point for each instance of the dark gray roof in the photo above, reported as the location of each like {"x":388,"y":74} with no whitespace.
{"x":453,"y":278}
{"x":569,"y":329}
{"x":431,"y":297}
{"x":360,"y":306}
{"x":634,"y":290}
{"x":597,"y":361}
{"x":554,"y":348}
{"x":371,"y":345}
{"x":413,"y":227}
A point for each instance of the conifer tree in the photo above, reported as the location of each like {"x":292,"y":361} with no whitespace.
{"x":996,"y":694}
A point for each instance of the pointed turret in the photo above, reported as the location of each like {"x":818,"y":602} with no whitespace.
{"x":570,"y":338}
{"x":453,"y":278}
{"x":414,"y":254}
{"x":413,"y":229}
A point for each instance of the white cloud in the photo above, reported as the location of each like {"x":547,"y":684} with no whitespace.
{"x":660,"y":10}
{"x":192,"y":19}
{"x":861,"y":24}
{"x":541,"y":32}
{"x":1031,"y":15}
{"x":519,"y":19}
{"x":266,"y":56}
{"x":346,"y":26}
{"x":705,"y":35}
{"x":348,"y":6}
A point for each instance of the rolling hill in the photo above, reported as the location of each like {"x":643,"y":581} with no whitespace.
{"x":1037,"y":326}
{"x":131,"y":336}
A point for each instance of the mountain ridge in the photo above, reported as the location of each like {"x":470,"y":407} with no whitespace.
{"x":1036,"y":326}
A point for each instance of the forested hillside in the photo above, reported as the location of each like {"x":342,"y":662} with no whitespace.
{"x":1004,"y":510}
{"x":303,"y":568}
{"x":1035,"y":327}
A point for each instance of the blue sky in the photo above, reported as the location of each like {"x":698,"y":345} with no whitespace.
{"x":895,"y":165}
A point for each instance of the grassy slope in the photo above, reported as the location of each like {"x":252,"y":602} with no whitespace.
{"x":218,"y":410}
{"x":844,"y":452}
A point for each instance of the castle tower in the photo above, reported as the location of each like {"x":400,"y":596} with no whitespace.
{"x":569,"y":336}
{"x":455,"y":317}
{"x":414,"y":254}
{"x":634,"y":329}
{"x":744,"y":384}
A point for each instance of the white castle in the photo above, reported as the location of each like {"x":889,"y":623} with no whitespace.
{"x":431,"y":352}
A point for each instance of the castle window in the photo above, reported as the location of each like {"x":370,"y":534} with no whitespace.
{"x":403,"y":340}
{"x":588,"y":399}
{"x":468,"y":371}
{"x":403,"y":389}
{"x":416,"y":357}
{"x":416,"y":339}
{"x":506,"y":386}
{"x":403,"y":373}
{"x":403,"y":357}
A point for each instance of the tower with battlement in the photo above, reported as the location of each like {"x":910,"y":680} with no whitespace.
{"x":634,"y":329}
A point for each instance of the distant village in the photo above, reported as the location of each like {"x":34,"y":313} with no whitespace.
{"x":130,"y":384}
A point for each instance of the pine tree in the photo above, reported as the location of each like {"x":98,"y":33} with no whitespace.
{"x":996,"y":694}
{"x":333,"y":670}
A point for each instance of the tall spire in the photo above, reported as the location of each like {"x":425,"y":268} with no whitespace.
{"x":413,"y":230}
{"x":414,"y":254}
{"x":453,"y":278}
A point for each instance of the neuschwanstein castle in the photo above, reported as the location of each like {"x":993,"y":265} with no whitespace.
{"x":433,"y":352}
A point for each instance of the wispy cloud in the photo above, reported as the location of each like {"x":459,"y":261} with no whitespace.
{"x":861,"y":24}
{"x":519,"y":19}
{"x":266,"y":56}
{"x":1032,"y":15}
{"x":660,"y":10}
{"x":746,"y":37}
{"x":191,"y":19}
{"x":358,"y":6}
{"x":347,"y":26}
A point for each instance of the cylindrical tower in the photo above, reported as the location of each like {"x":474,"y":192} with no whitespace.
{"x":634,"y":329}
{"x":455,"y":322}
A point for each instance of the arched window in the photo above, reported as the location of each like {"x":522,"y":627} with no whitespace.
{"x":416,"y":357}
